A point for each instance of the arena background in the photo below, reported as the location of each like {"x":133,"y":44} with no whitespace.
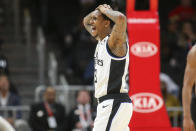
{"x":43,"y":43}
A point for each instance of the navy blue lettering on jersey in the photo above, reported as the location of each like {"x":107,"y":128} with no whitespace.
{"x":117,"y":69}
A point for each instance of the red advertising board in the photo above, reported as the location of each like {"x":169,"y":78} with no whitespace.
{"x":144,"y":39}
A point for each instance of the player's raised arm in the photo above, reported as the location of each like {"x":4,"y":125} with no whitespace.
{"x":118,"y":34}
{"x":86,"y":22}
{"x":189,"y":79}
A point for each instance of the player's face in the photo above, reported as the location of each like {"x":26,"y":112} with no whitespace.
{"x":97,"y":23}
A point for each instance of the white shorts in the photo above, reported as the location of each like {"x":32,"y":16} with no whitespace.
{"x":113,"y":115}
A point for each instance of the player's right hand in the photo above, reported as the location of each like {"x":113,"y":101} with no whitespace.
{"x":103,"y":8}
{"x":188,"y":124}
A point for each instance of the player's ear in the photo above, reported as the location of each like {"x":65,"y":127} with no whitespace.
{"x":107,"y":23}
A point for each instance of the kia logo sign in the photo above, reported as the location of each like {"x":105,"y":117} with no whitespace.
{"x":146,"y":102}
{"x":144,"y":49}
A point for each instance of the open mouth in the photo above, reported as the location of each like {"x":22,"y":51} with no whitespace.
{"x":93,"y":28}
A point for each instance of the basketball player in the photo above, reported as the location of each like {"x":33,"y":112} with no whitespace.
{"x":111,"y":59}
{"x":5,"y":126}
{"x":189,"y":107}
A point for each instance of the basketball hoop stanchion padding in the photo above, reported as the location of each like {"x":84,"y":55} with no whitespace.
{"x":144,"y":38}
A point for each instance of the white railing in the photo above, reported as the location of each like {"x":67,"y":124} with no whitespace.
{"x":176,"y":111}
{"x":25,"y":109}
{"x":63,"y":80}
{"x":52,"y":69}
{"x":65,"y":94}
{"x":41,"y":54}
{"x":52,"y":61}
{"x":14,"y":110}
{"x":27,"y":33}
{"x":20,"y":123}
{"x":60,"y":88}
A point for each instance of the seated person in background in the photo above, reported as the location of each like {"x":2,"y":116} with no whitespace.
{"x":81,"y":117}
{"x":48,"y":115}
{"x":171,"y":86}
{"x":4,"y":68}
{"x":187,"y":36}
{"x":7,"y":98}
{"x":169,"y":99}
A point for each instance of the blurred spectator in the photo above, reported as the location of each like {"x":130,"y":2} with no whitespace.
{"x":169,"y":41}
{"x":119,"y":5}
{"x":87,"y":5}
{"x":185,"y":11}
{"x":7,"y":98}
{"x":81,"y":117}
{"x":171,"y":86}
{"x":170,"y":100}
{"x":178,"y":59}
{"x":4,"y":68}
{"x":172,"y":56}
{"x":175,"y":44}
{"x":83,"y":47}
{"x":48,"y":115}
{"x":187,"y":35}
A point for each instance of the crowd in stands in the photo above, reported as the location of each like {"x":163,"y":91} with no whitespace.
{"x":50,"y":115}
{"x":177,"y":38}
{"x":63,"y":21}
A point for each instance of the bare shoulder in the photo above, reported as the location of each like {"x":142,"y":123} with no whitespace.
{"x":192,"y":53}
{"x":191,"y":58}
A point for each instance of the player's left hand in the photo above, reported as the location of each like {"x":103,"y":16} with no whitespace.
{"x":188,"y":124}
{"x":104,"y":7}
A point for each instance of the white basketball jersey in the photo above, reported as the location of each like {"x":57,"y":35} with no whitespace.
{"x":110,"y":71}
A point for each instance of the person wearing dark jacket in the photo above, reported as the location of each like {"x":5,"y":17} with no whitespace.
{"x":8,"y":98}
{"x":81,"y":117}
{"x":48,"y":115}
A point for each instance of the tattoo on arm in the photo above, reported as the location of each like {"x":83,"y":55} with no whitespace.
{"x":113,"y":15}
{"x":117,"y":40}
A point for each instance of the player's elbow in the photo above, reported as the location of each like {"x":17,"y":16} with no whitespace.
{"x":84,"y":21}
{"x":187,"y":85}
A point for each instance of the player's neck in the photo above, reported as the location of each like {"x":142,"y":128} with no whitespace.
{"x":104,"y":33}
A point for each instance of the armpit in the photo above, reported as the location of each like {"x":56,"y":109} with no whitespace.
{"x":191,"y":58}
{"x":119,"y":50}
